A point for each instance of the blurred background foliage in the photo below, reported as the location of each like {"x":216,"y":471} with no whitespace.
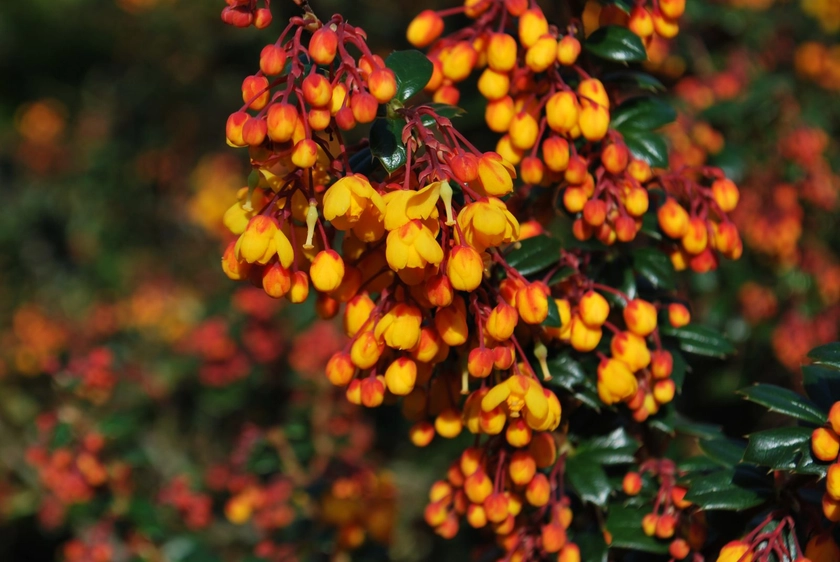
{"x":126,"y":351}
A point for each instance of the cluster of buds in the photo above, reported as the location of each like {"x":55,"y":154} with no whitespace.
{"x":825,"y":445}
{"x":672,"y":518}
{"x":651,"y":23}
{"x":769,"y":540}
{"x":504,"y":487}
{"x":243,"y":13}
{"x":194,"y":508}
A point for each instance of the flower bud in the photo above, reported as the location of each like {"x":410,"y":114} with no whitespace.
{"x":673,"y":219}
{"x":480,"y":362}
{"x":495,"y":175}
{"x":272,"y":60}
{"x":234,"y":128}
{"x":478,"y":486}
{"x":582,"y":336}
{"x":327,"y":271}
{"x":615,"y":381}
{"x":542,"y":54}
{"x":568,"y":50}
{"x":448,"y":423}
{"x":424,"y":29}
{"x":630,"y":349}
{"x":340,"y":369}
{"x":594,"y":309}
{"x":465,"y":268}
{"x":664,"y":390}
{"x":382,"y":84}
{"x":255,"y":92}
{"x":640,"y":317}
{"x":518,"y":434}
{"x":276,"y":280}
{"x":451,"y":323}
{"x":366,"y":350}
{"x":323,"y":46}
{"x":725,"y":194}
{"x":555,"y":153}
{"x":421,"y":433}
{"x":696,"y":236}
{"x":834,"y":417}
{"x":532,"y":303}
{"x":372,"y":391}
{"x":735,"y":551}
{"x":501,"y":52}
{"x":632,"y":483}
{"x":640,"y":22}
{"x":459,"y":61}
{"x":317,"y":90}
{"x":661,"y":364}
{"x":538,"y":491}
{"x":825,"y":444}
{"x":562,"y":112}
{"x":532,"y":26}
{"x":364,"y":107}
{"x":502,"y":321}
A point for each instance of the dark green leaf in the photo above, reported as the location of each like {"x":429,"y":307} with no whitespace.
{"x":362,"y":162}
{"x":616,"y":43}
{"x":822,"y":384}
{"x":565,"y":371}
{"x":699,"y":340}
{"x":828,"y":355}
{"x":588,"y":479}
{"x":442,"y":109}
{"x":679,"y":369}
{"x":643,"y":113}
{"x":62,"y":436}
{"x":654,"y":266}
{"x":624,"y":525}
{"x":780,"y":449}
{"x":616,"y":448}
{"x":553,"y":318}
{"x":533,"y":255}
{"x":386,"y":143}
{"x":592,"y":546}
{"x":636,"y":77}
{"x":695,"y":429}
{"x":119,"y":425}
{"x":650,"y":147}
{"x":561,"y":275}
{"x":730,"y":489}
{"x":785,"y":401}
{"x":412,"y":69}
{"x":724,"y":451}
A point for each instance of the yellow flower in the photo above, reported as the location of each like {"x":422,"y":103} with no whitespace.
{"x":400,"y":327}
{"x":256,"y":244}
{"x":412,"y":245}
{"x":348,"y":198}
{"x":404,"y":205}
{"x":487,"y":223}
{"x":495,"y":174}
{"x":518,"y":392}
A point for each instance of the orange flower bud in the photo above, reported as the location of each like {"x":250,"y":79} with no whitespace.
{"x":448,"y":423}
{"x":364,"y":107}
{"x":679,"y":549}
{"x":832,"y":482}
{"x":480,"y":362}
{"x":735,"y":551}
{"x":553,"y":537}
{"x":834,"y":417}
{"x":255,"y":92}
{"x":614,"y":158}
{"x":649,"y":522}
{"x":451,"y":323}
{"x":421,"y":433}
{"x":518,"y":433}
{"x":825,"y":444}
{"x":583,"y":337}
{"x":532,"y":303}
{"x":327,"y":271}
{"x":594,"y":120}
{"x":595,"y":212}
{"x":382,"y":84}
{"x":501,"y":322}
{"x":594,"y":309}
{"x":501,"y":52}
{"x":640,"y":317}
{"x":401,"y":376}
{"x":366,"y":350}
{"x":299,"y":289}
{"x":538,"y":491}
{"x":696,"y":236}
{"x":424,"y":28}
{"x":672,"y":9}
{"x":317,"y":90}
{"x":639,"y":170}
{"x":254,"y":132}
{"x":615,"y":382}
{"x":542,"y":54}
{"x":725,"y":194}
{"x":234,"y":128}
{"x":555,"y":153}
{"x":465,"y":268}
{"x":630,"y":349}
{"x":568,"y":50}
{"x":478,"y":486}
{"x":281,"y":121}
{"x":373,"y":391}
{"x":632,"y":483}
{"x":326,"y":307}
{"x":640,"y":22}
{"x":570,"y":553}
{"x":276,"y":280}
{"x":532,"y":26}
{"x":305,"y":154}
{"x":523,"y":131}
{"x":256,"y":244}
{"x":400,"y":326}
{"x":678,"y":315}
{"x":323,"y":45}
{"x":340,"y":369}
{"x":673,"y":219}
{"x":496,"y":508}
{"x":459,"y":61}
{"x":495,"y":175}
{"x":435,"y":513}
{"x":665,"y":526}
{"x":562,"y":112}
{"x":234,"y":268}
{"x":504,"y":356}
{"x":831,"y":508}
{"x":665,"y":27}
{"x":661,"y":364}
{"x":272,"y":60}
{"x":522,"y":467}
{"x":664,"y":390}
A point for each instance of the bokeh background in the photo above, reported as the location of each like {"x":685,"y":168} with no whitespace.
{"x":151,"y":410}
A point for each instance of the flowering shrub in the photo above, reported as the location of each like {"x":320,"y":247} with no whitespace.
{"x":487,"y":287}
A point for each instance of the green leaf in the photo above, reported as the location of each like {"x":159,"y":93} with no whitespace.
{"x":616,"y":448}
{"x":641,"y":79}
{"x":647,"y":146}
{"x":822,"y":384}
{"x":565,"y":371}
{"x":726,"y":452}
{"x":616,"y":43}
{"x":828,"y":355}
{"x":699,"y":340}
{"x":561,"y":275}
{"x":785,"y":448}
{"x":62,"y":436}
{"x":654,"y":266}
{"x":412,"y":70}
{"x":592,"y":546}
{"x":695,"y":429}
{"x":588,"y":479}
{"x":785,"y":401}
{"x":624,"y":524}
{"x":731,"y":489}
{"x":643,"y":113}
{"x":119,"y":425}
{"x":362,"y":162}
{"x":679,"y":369}
{"x":386,"y":143}
{"x":533,"y":255}
{"x":443,"y":110}
{"x":553,"y":318}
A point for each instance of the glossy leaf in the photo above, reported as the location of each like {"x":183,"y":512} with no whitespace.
{"x":615,"y":448}
{"x":412,"y":70}
{"x":785,"y":401}
{"x":699,"y":340}
{"x":724,"y":451}
{"x":616,"y":43}
{"x":828,"y":355}
{"x":588,"y":479}
{"x":654,"y":266}
{"x":553,"y":318}
{"x":592,"y":546}
{"x":785,"y":448}
{"x":730,"y":489}
{"x":624,"y":525}
{"x":533,"y":255}
{"x":822,"y":384}
{"x":638,"y":78}
{"x":643,"y":113}
{"x":386,"y":143}
{"x":647,"y":146}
